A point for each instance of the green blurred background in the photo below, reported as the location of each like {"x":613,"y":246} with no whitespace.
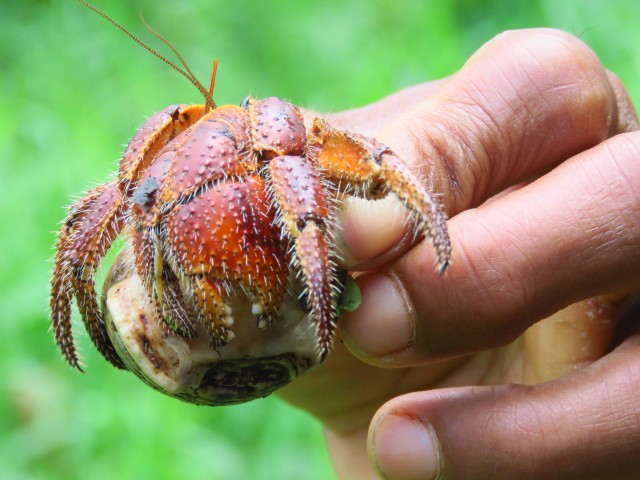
{"x":73,"y":89}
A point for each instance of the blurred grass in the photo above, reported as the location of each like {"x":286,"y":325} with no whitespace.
{"x":73,"y":90}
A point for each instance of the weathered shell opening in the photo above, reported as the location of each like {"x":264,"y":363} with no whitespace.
{"x":256,"y":363}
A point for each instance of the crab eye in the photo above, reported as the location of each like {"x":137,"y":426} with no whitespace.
{"x":245,"y":103}
{"x":144,"y":193}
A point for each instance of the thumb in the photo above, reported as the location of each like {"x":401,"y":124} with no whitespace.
{"x":583,"y":426}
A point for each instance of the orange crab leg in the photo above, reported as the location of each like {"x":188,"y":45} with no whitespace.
{"x":154,"y":134}
{"x":301,"y":200}
{"x":277,"y":127}
{"x":431,"y":218}
{"x":215,"y":313}
{"x":373,"y":169}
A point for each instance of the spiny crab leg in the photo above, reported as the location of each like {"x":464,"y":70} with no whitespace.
{"x":374,"y":170}
{"x":161,"y":283}
{"x":61,"y":282}
{"x":299,"y":194}
{"x":431,"y":219}
{"x":87,"y":234}
{"x":152,"y":136}
{"x":177,"y":310}
{"x":216,"y":314}
{"x":312,"y":252}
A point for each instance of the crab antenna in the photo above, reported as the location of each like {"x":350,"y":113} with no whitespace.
{"x":191,"y":76}
{"x":188,"y":74}
{"x":212,"y":82}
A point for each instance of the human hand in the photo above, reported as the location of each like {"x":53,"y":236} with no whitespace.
{"x":526,"y":145}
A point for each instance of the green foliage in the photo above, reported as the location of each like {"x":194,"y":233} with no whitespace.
{"x":73,"y":90}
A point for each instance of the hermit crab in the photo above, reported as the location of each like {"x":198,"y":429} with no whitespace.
{"x":228,"y":212}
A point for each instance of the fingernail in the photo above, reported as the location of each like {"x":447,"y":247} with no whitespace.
{"x":383,"y":323}
{"x":405,"y":448}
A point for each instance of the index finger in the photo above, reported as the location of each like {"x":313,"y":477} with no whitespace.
{"x":557,"y":241}
{"x":525,"y":102}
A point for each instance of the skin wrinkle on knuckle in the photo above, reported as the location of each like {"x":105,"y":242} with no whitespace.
{"x":475,"y":268}
{"x":622,"y":149}
{"x":514,"y":429}
{"x":619,"y":173}
{"x":605,"y":396}
{"x":523,"y":434}
{"x":476,"y":303}
{"x":476,"y":125}
{"x":529,"y":424}
{"x":575,"y":77}
{"x":590,"y":82}
{"x":555,"y":95}
{"x":494,"y":145}
{"x":621,"y":393}
{"x":609,"y":419}
{"x":445,"y":154}
{"x":475,"y":146}
{"x":473,"y":149}
{"x":499,"y":107}
{"x":505,"y":294}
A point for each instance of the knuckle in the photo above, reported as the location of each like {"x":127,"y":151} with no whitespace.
{"x":556,"y":43}
{"x":563,"y":69}
{"x":522,"y":86}
{"x":440,"y":149}
{"x":620,"y":158}
{"x":503,"y":298}
{"x":626,"y":145}
{"x":620,"y":382}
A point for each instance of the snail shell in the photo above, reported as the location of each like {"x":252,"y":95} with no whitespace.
{"x":256,"y":363}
